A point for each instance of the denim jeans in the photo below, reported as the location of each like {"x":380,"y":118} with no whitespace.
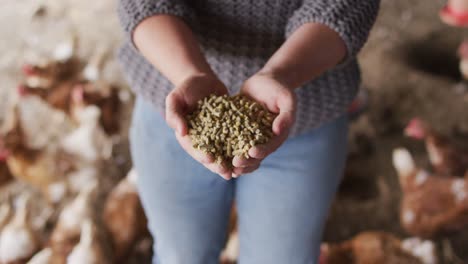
{"x":282,"y":206}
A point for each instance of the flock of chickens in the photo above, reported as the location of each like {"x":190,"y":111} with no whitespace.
{"x":58,"y":138}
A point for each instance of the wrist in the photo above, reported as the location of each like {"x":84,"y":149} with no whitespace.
{"x":279,"y":76}
{"x":196,"y":76}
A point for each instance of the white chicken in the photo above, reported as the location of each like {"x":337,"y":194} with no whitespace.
{"x":18,"y":242}
{"x":42,"y":257}
{"x":81,"y":178}
{"x":90,"y":249}
{"x":88,"y":141}
{"x":67,"y":231}
{"x":92,"y":71}
{"x":5,"y":214}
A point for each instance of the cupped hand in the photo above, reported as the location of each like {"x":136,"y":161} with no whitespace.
{"x":182,"y":101}
{"x":277,"y":98}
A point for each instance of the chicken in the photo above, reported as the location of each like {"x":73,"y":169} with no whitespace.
{"x":38,"y":167}
{"x":42,"y":257}
{"x":370,"y":248}
{"x":5,"y":174}
{"x":230,"y":254}
{"x":463,"y":55}
{"x":124,"y":216}
{"x":102,"y":95}
{"x":88,"y":142}
{"x":18,"y":241}
{"x":425,"y":250}
{"x":81,"y":178}
{"x":67,"y":231}
{"x":430,"y":205}
{"x":92,"y":70}
{"x":40,"y":79}
{"x":446,"y":157}
{"x":5,"y":214}
{"x":90,"y":249}
{"x":57,"y":96}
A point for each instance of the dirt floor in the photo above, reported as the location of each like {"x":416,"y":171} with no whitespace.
{"x":409,"y":67}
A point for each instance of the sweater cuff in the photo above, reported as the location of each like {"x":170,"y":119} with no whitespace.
{"x":133,"y":12}
{"x":351,"y":19}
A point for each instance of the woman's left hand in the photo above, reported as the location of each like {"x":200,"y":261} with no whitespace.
{"x":277,"y":98}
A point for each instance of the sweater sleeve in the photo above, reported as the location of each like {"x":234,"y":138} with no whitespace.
{"x":351,"y":19}
{"x":132,"y":12}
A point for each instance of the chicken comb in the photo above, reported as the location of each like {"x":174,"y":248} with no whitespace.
{"x":22,"y":90}
{"x":4,"y":153}
{"x":78,"y":93}
{"x":463,"y":50}
{"x":28,"y":69}
{"x":415,"y":129}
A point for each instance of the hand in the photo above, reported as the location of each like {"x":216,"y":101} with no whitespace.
{"x":277,"y":98}
{"x":183,"y":100}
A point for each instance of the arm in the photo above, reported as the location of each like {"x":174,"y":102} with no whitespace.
{"x":320,"y":35}
{"x":169,"y":44}
{"x":159,"y":31}
{"x":292,"y":65}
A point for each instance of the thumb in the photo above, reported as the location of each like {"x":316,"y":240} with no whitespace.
{"x":283,"y":122}
{"x":286,"y":116}
{"x":175,"y":114}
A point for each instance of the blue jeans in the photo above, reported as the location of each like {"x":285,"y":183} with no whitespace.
{"x":282,"y":206}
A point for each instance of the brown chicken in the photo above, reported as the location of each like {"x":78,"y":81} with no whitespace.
{"x":44,"y":77}
{"x":124,"y":216}
{"x":38,"y":167}
{"x":431,"y":205}
{"x":370,"y":248}
{"x":58,"y":96}
{"x":104,"y":96}
{"x":5,"y":174}
{"x":446,"y":157}
{"x":52,"y":82}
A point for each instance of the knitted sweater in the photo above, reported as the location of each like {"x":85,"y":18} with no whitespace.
{"x":238,"y":37}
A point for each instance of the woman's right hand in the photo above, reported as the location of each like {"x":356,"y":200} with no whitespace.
{"x":182,"y":101}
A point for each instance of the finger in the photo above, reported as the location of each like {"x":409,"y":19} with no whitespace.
{"x":220,"y":169}
{"x":199,"y":156}
{"x":240,"y":161}
{"x":283,"y":122}
{"x":175,"y":114}
{"x":262,"y":151}
{"x":240,"y":171}
{"x":280,"y":127}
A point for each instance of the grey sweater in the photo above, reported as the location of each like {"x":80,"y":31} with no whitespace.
{"x":238,"y":37}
